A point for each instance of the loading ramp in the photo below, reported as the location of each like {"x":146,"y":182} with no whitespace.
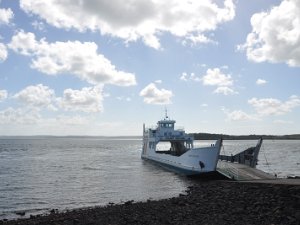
{"x":242,"y":166}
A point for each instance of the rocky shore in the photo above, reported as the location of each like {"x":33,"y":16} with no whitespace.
{"x":206,"y":202}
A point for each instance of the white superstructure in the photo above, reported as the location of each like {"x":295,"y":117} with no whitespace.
{"x":173,"y":148}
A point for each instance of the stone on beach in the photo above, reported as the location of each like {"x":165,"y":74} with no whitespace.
{"x":206,"y":202}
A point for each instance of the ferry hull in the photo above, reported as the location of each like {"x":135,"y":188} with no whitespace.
{"x":176,"y":169}
{"x":193,"y":162}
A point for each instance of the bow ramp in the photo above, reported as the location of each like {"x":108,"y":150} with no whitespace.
{"x":242,"y":166}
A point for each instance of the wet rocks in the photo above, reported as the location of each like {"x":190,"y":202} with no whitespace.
{"x":212,"y":202}
{"x":21,"y":213}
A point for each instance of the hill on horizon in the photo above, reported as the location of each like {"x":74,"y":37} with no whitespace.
{"x":208,"y":136}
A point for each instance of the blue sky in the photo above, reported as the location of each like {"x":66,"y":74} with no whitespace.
{"x":106,"y":67}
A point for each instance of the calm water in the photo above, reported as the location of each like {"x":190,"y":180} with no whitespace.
{"x":39,"y":174}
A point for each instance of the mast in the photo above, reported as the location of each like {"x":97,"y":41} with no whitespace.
{"x":166,"y":113}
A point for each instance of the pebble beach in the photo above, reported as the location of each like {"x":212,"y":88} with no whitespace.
{"x":205,"y":202}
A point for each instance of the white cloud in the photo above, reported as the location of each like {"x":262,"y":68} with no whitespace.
{"x":36,"y":96}
{"x":265,"y":107}
{"x":275,"y":35}
{"x":3,"y":52}
{"x":6,"y":16}
{"x":225,"y":91}
{"x":152,"y":95}
{"x":137,"y":19}
{"x":88,"y":99}
{"x":3,"y":95}
{"x":185,"y":77}
{"x":80,"y":59}
{"x":261,"y":82}
{"x":19,"y":116}
{"x":199,"y":39}
{"x":226,"y":67}
{"x":25,"y":43}
{"x":123,"y":98}
{"x":38,"y":25}
{"x":215,"y":77}
{"x":239,"y":115}
{"x":271,"y":106}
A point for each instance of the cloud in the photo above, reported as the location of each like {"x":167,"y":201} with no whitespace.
{"x":261,"y":82}
{"x":152,"y":95}
{"x":38,"y":25}
{"x":19,"y":116}
{"x":3,"y":95}
{"x":88,"y":99}
{"x":199,"y":39}
{"x":6,"y":15}
{"x":185,"y":77}
{"x":80,"y":59}
{"x":3,"y":52}
{"x":265,"y":107}
{"x":36,"y":96}
{"x":25,"y":44}
{"x":271,"y":106}
{"x":123,"y":98}
{"x":239,"y":115}
{"x":275,"y":35}
{"x":225,"y":91}
{"x":137,"y":19}
{"x":214,"y":77}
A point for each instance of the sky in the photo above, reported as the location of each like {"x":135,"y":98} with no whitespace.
{"x":98,"y":67}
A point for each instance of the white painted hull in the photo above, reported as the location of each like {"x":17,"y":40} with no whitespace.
{"x":189,"y":162}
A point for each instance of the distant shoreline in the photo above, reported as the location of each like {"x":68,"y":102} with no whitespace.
{"x":197,"y":136}
{"x":208,"y":136}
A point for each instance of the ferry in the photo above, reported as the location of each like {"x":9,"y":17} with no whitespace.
{"x":174,"y":149}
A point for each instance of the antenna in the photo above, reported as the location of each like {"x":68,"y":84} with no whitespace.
{"x":166,"y":113}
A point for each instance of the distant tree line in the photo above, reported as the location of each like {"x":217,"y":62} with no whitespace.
{"x":207,"y":136}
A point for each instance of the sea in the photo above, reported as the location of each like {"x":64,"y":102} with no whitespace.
{"x":38,"y":174}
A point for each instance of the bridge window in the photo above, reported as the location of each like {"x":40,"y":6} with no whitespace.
{"x":166,"y":125}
